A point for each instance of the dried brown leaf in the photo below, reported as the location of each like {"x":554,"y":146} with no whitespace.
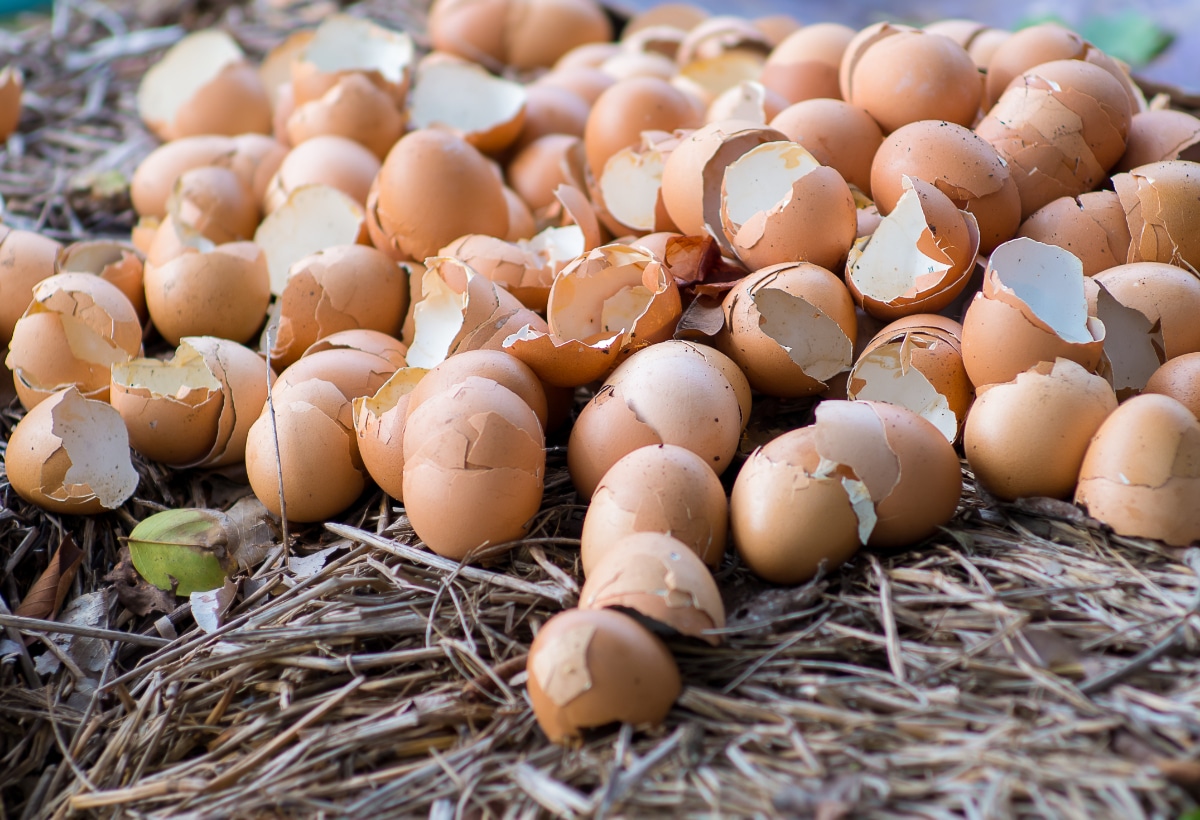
{"x":48,"y":593}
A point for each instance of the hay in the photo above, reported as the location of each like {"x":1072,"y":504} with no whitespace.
{"x":1024,"y":663}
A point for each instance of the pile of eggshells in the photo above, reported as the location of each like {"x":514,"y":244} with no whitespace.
{"x":952,"y":235}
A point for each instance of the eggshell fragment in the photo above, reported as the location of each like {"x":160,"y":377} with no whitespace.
{"x":1141,"y":472}
{"x":916,"y":362}
{"x":76,"y":327}
{"x":918,"y":259}
{"x":485,"y":110}
{"x":474,"y":466}
{"x":1018,"y":454}
{"x":591,"y":667}
{"x":659,"y":578}
{"x":203,"y":85}
{"x":26,"y":258}
{"x":354,"y":372}
{"x":629,"y":107}
{"x":12,"y":83}
{"x":1160,"y":135}
{"x":1092,"y":226}
{"x":116,"y":262}
{"x":1162,"y":207}
{"x":243,"y":376}
{"x":314,"y":217}
{"x":790,"y":328}
{"x":512,"y":266}
{"x":354,"y":108}
{"x":383,"y":345}
{"x":379,"y":425}
{"x":214,"y":203}
{"x":661,"y":488}
{"x":630,"y":184}
{"x":328,"y":159}
{"x":253,"y":157}
{"x":1032,"y":309}
{"x":838,"y":134}
{"x":70,"y":455}
{"x":502,"y":368}
{"x":343,"y":45}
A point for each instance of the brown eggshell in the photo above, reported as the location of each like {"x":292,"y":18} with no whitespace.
{"x":1141,"y":473}
{"x":1159,"y":135}
{"x":354,"y":372}
{"x":1179,"y":378}
{"x":485,"y":110}
{"x":317,"y":455}
{"x":661,"y":489}
{"x":804,"y":65}
{"x":588,"y":82}
{"x":502,"y":368}
{"x":789,"y":517}
{"x":12,"y":83}
{"x":591,"y":667}
{"x":342,"y":287}
{"x":838,"y":134}
{"x":1032,"y":309}
{"x":462,"y":193}
{"x":1162,"y":207}
{"x":354,"y":108}
{"x":563,"y":363}
{"x":913,"y":76}
{"x":313,"y":218}
{"x":1018,"y":454}
{"x":1092,"y":226}
{"x":155,"y":175}
{"x":383,"y":345}
{"x":70,"y":455}
{"x":629,"y":187}
{"x":116,"y":262}
{"x":331,"y":160}
{"x":1169,"y":298}
{"x":215,"y":203}
{"x":223,"y":292}
{"x":537,"y":169}
{"x":243,"y":375}
{"x":203,"y":85}
{"x":790,"y":328}
{"x":344,"y":44}
{"x":659,"y":578}
{"x":507,"y":264}
{"x":960,"y":164}
{"x":379,"y":425}
{"x":26,"y":258}
{"x":474,"y":463}
{"x":916,"y":362}
{"x":74,"y":329}
{"x":628,"y":108}
{"x":749,"y":100}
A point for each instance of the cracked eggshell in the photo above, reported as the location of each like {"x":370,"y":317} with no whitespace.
{"x":790,"y":328}
{"x":379,"y":425}
{"x":629,"y":107}
{"x":1016,"y":451}
{"x":592,"y":667}
{"x":913,"y":76}
{"x":908,"y":467}
{"x":540,"y":167}
{"x":695,"y":170}
{"x":838,"y":134}
{"x":509,"y":265}
{"x":1032,"y":309}
{"x":629,"y":187}
{"x":916,"y":362}
{"x":748,"y":100}
{"x":203,"y":85}
{"x":661,"y":579}
{"x":1168,"y":296}
{"x":792,"y":514}
{"x":76,"y":327}
{"x":342,"y":45}
{"x":317,"y":456}
{"x":116,"y":262}
{"x":464,"y":98}
{"x":215,"y":203}
{"x":661,"y":488}
{"x":383,"y":345}
{"x":354,"y":108}
{"x":70,"y":455}
{"x":959,"y":163}
{"x":332,"y":160}
{"x":658,"y":400}
{"x":342,"y":287}
{"x":779,"y":205}
{"x":171,"y":408}
{"x":457,"y":192}
{"x":862,"y":40}
{"x":1141,"y":472}
{"x":1092,"y":226}
{"x":253,"y":157}
{"x":1179,"y":378}
{"x":219,"y":292}
{"x":497,"y":365}
{"x":313,"y":218}
{"x":354,"y":372}
{"x":474,"y":466}
{"x":1159,"y":135}
{"x":243,"y":375}
{"x":26,"y":258}
{"x":551,"y":109}
{"x":563,"y":363}
{"x":918,"y":259}
{"x":1162,"y":207}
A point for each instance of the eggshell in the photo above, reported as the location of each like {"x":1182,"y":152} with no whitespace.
{"x":354,"y":372}
{"x":215,"y":203}
{"x":223,"y":292}
{"x":331,"y":160}
{"x":1162,"y":207}
{"x":317,"y":453}
{"x":116,"y":262}
{"x":1179,"y":378}
{"x":538,"y":168}
{"x":379,"y":425}
{"x":804,"y":65}
{"x":629,"y":107}
{"x":661,"y":488}
{"x":12,"y":83}
{"x":313,"y":218}
{"x":502,"y":368}
{"x":74,"y":329}
{"x":629,"y":187}
{"x":838,"y":134}
{"x":591,"y":667}
{"x":1092,"y":226}
{"x":960,"y":164}
{"x":1169,"y":298}
{"x":70,"y":455}
{"x":355,"y":108}
{"x":156,"y":174}
{"x":524,"y":34}
{"x":462,"y":97}
{"x":474,"y":465}
{"x":462,"y":193}
{"x":243,"y":376}
{"x":1160,"y":135}
{"x":341,"y":287}
{"x":790,"y":328}
{"x":26,"y":258}
{"x":383,"y":345}
{"x":659,"y":578}
{"x":1032,"y":309}
{"x":509,"y":265}
{"x":589,"y":82}
{"x":1141,"y":472}
{"x":749,"y":100}
{"x":916,"y":362}
{"x":1015,"y":453}
{"x":343,"y":44}
{"x":203,"y":85}
{"x":779,"y":205}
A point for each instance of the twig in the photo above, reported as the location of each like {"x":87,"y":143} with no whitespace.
{"x":37,"y":625}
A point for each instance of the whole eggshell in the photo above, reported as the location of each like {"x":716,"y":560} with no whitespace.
{"x":1179,"y":378}
{"x":591,"y":667}
{"x":629,"y":107}
{"x":804,"y":66}
{"x":661,"y":488}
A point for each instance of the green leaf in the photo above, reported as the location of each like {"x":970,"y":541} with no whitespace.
{"x":183,"y":550}
{"x":1032,"y":20}
{"x":1128,"y":35}
{"x":1193,"y":814}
